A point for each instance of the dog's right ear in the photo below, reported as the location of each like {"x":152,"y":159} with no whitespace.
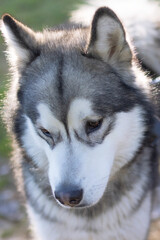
{"x":21,"y":42}
{"x":108,"y":39}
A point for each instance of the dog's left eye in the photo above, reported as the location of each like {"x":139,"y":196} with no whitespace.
{"x":46,"y":132}
{"x":92,"y":126}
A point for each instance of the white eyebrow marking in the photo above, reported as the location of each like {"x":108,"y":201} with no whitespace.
{"x":49,"y":121}
{"x":79,"y":110}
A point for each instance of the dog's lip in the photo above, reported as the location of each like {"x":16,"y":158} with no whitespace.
{"x":82,"y":206}
{"x":79,"y":206}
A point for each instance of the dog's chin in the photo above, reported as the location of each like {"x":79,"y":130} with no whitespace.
{"x":79,"y":206}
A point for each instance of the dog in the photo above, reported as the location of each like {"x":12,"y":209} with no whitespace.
{"x":81,"y":117}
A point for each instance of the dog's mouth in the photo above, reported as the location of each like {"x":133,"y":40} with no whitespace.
{"x":66,"y":201}
{"x":73,"y":198}
{"x":73,"y":206}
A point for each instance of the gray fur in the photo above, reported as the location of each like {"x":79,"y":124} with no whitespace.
{"x":61,"y":66}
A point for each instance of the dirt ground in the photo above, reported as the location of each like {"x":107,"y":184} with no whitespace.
{"x":155,"y":230}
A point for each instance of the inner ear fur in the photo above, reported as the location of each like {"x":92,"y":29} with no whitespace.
{"x":108,"y":38}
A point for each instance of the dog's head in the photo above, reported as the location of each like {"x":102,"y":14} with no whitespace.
{"x":81,"y":117}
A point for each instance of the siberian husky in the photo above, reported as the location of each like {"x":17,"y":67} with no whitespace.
{"x":81,"y":117}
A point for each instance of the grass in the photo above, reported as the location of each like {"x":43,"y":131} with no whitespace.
{"x":19,"y":228}
{"x":37,"y":14}
{"x":7,"y":233}
{"x":4,"y":181}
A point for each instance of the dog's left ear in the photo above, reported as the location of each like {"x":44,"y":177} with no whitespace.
{"x":22,"y":44}
{"x":108,"y":38}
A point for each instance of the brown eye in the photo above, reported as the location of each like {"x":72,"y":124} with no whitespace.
{"x":45,"y":132}
{"x":92,"y":126}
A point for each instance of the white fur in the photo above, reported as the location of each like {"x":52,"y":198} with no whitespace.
{"x":114,"y":224}
{"x":90,"y":168}
{"x":79,"y":110}
{"x":128,"y":132}
{"x":51,"y":123}
{"x":76,"y":163}
{"x":33,"y":144}
{"x":66,"y":161}
{"x":110,"y":225}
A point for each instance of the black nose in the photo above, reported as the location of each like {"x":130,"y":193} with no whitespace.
{"x":68,"y":197}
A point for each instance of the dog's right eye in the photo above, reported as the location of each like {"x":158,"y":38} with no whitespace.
{"x":46,"y":132}
{"x":47,"y":136}
{"x":92,"y":126}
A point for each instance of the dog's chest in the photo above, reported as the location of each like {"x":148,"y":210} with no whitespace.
{"x":107,"y":226}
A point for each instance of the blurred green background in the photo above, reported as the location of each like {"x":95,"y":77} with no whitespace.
{"x":37,"y":14}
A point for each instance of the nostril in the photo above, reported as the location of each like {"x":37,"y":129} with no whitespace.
{"x":70,"y":198}
{"x":73,"y":201}
{"x":76,"y":197}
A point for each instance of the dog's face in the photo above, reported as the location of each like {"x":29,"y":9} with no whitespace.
{"x":80,"y":154}
{"x":81,"y":122}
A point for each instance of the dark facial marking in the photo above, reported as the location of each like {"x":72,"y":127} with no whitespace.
{"x":46,"y":132}
{"x":60,"y":76}
{"x":50,"y":138}
{"x":99,"y":140}
{"x":87,"y":142}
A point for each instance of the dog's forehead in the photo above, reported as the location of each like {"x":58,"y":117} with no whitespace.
{"x":60,"y":77}
{"x":79,"y":109}
{"x":72,"y":80}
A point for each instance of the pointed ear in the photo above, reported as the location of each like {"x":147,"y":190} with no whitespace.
{"x":21,"y":42}
{"x":108,"y":38}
